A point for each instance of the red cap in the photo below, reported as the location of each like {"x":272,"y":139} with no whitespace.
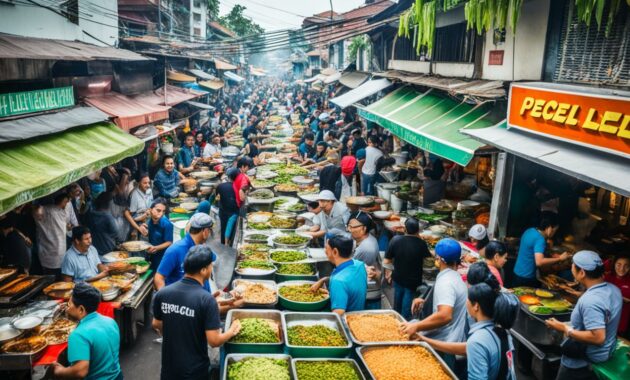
{"x":347,"y":165}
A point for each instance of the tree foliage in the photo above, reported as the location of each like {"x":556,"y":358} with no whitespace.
{"x":213,"y":9}
{"x":357,"y":44}
{"x":239,"y":23}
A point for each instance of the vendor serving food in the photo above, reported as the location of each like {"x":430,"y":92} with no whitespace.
{"x":348,"y":282}
{"x":591,"y":334}
{"x":333,"y":217}
{"x":531,"y":253}
{"x":81,"y":261}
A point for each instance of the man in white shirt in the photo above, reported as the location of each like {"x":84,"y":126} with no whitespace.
{"x":213,"y":148}
{"x":334,"y":216}
{"x":368,"y":172}
{"x":52,"y":222}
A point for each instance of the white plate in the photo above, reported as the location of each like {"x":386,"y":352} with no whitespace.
{"x":382,"y":214}
{"x":28,"y":322}
{"x":438,"y":229}
{"x":302,"y":180}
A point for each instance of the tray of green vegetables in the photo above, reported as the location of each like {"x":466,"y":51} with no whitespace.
{"x":261,"y":331}
{"x":297,"y":271}
{"x":333,"y":369}
{"x":257,"y":367}
{"x":315,"y":335}
{"x":297,"y":296}
{"x":255,"y":269}
{"x":287,"y":255}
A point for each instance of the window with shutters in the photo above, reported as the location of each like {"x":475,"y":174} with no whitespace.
{"x":454,"y":43}
{"x":587,"y":56}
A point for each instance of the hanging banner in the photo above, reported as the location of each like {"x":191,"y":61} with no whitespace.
{"x":18,"y":103}
{"x":595,"y":118}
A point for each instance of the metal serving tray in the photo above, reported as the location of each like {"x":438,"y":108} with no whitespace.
{"x":255,"y":347}
{"x":361,"y":350}
{"x":385,"y":312}
{"x":353,"y":362}
{"x":300,"y":306}
{"x":233,"y":358}
{"x":533,"y":327}
{"x":270,"y":284}
{"x":331,"y":320}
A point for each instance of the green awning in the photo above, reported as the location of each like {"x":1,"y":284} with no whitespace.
{"x":431,"y":121}
{"x":37,"y":167}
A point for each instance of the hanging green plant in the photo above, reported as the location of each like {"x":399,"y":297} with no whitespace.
{"x":586,"y":9}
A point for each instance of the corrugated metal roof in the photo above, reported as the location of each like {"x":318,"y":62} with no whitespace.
{"x":353,"y":79}
{"x":42,"y":125}
{"x":174,"y":96}
{"x":127,"y":111}
{"x":18,"y":47}
{"x":476,"y":88}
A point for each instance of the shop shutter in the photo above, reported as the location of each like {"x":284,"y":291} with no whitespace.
{"x":587,"y":56}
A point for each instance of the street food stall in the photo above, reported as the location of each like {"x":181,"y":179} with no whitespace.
{"x":565,"y":150}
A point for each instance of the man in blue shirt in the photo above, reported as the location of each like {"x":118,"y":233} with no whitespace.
{"x":171,"y":269}
{"x":93,"y":346}
{"x":160,"y":232}
{"x":81,"y":261}
{"x":531,"y":252}
{"x":594,"y":320}
{"x":348,"y":282}
{"x":307,"y":148}
{"x":186,"y":159}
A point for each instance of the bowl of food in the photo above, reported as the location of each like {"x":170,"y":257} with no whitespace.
{"x":282,"y":223}
{"x":204,"y":174}
{"x":256,"y":366}
{"x":287,"y":188}
{"x":257,"y":293}
{"x":256,"y":237}
{"x":261,"y":331}
{"x":296,"y":271}
{"x":382,"y":214}
{"x":315,"y":335}
{"x":262,"y":184}
{"x":110,"y":293}
{"x":287,"y":255}
{"x":255,"y":269}
{"x":326,"y":368}
{"x":297,"y":296}
{"x":292,"y":240}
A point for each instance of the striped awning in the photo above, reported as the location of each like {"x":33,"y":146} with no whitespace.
{"x":431,"y":121}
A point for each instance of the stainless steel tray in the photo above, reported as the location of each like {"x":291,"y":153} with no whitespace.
{"x":274,"y":315}
{"x":351,"y":361}
{"x":361,"y":350}
{"x":233,"y":358}
{"x":332,"y":320}
{"x":385,"y":312}
{"x":270,"y":284}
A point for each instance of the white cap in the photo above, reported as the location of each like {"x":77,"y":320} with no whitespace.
{"x":326,"y":195}
{"x":478,"y":232}
{"x":324,"y":116}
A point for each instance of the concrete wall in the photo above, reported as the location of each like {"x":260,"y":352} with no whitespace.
{"x":198,"y":7}
{"x":524,"y":52}
{"x":99,"y":18}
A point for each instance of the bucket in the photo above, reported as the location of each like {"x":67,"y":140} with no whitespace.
{"x":179,"y":228}
{"x":396,"y":203}
{"x":400,"y":158}
{"x":384,"y":193}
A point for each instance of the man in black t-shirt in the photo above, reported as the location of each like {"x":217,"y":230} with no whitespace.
{"x":228,"y":209}
{"x":406,"y":252}
{"x":187,"y":316}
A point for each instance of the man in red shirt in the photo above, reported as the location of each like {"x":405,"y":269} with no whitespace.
{"x":241,"y":183}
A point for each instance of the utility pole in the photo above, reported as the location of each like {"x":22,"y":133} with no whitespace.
{"x":160,"y":19}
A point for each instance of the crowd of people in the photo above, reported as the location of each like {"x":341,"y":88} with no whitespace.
{"x":67,"y":234}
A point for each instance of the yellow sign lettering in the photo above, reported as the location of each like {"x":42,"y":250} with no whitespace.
{"x":610,"y":116}
{"x":624,"y":132}
{"x":537,"y":109}
{"x":561,"y":114}
{"x":528,"y":102}
{"x":550,"y":106}
{"x":572,"y":119}
{"x":589,"y":122}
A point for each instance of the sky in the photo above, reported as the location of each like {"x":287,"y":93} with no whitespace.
{"x":288,"y":14}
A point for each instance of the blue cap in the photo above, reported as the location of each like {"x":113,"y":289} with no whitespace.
{"x":448,"y":249}
{"x":587,"y":260}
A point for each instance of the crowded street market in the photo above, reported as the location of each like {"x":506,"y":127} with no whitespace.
{"x":369,"y":204}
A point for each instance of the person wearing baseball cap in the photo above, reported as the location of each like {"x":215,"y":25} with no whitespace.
{"x":171,"y":267}
{"x":478,"y":239}
{"x":447,"y":323}
{"x":334,"y":215}
{"x":591,"y":335}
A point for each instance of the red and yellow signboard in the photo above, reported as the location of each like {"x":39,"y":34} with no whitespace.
{"x":590,"y":119}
